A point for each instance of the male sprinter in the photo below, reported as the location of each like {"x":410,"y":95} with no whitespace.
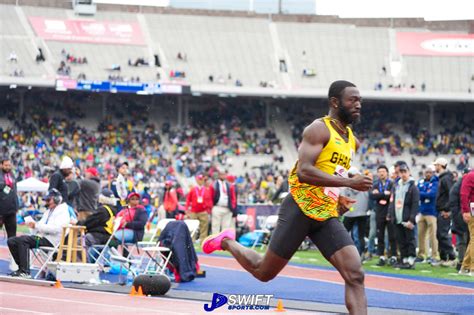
{"x":313,"y":205}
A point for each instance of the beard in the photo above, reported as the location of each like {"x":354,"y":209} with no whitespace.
{"x":346,"y":116}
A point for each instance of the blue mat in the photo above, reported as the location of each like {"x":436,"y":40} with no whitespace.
{"x":237,"y":282}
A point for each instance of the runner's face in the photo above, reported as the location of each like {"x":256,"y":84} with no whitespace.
{"x":350,"y":105}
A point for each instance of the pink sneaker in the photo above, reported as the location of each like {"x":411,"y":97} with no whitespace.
{"x":213,"y":242}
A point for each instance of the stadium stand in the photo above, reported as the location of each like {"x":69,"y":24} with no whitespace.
{"x":223,"y":50}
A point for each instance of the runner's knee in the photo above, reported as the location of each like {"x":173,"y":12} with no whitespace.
{"x":265,"y":276}
{"x":354,"y":275}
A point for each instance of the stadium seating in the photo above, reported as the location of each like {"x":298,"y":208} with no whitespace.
{"x":235,"y":48}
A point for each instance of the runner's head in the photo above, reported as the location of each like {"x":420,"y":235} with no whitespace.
{"x":345,"y":101}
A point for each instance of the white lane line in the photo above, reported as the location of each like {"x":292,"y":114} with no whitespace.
{"x":22,"y":310}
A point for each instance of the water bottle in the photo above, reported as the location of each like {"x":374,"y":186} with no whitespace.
{"x":130,"y":278}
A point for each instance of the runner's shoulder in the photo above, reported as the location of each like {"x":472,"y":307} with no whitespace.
{"x":316,"y":132}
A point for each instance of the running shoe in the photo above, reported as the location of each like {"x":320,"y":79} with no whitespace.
{"x":213,"y":242}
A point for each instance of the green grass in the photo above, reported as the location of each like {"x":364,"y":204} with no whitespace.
{"x":314,"y":258}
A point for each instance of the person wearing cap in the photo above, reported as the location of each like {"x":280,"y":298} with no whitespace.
{"x":357,"y":216}
{"x":446,"y":181}
{"x":88,"y":193}
{"x":99,"y":225}
{"x":58,"y":178}
{"x":8,"y":197}
{"x":467,"y":209}
{"x":133,"y":220}
{"x":120,"y":184}
{"x":47,"y":232}
{"x":428,"y":186}
{"x":403,"y":209}
{"x":198,"y":206}
{"x":224,"y":206}
{"x":380,"y":194}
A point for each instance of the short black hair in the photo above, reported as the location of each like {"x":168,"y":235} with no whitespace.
{"x":382,"y":166}
{"x":400,"y":162}
{"x":4,"y":158}
{"x":337,"y":87}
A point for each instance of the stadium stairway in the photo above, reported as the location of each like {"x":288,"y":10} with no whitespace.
{"x":283,"y":132}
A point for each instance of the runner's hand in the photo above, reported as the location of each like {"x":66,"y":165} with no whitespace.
{"x":344,"y":204}
{"x":360,"y":182}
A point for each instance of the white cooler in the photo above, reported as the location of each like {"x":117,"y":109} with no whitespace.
{"x":74,"y":272}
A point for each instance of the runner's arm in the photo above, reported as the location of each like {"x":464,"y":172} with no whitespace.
{"x":315,"y":137}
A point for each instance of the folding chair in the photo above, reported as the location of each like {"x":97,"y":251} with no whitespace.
{"x":150,"y":247}
{"x":193,"y":226}
{"x":265,"y":232}
{"x":154,"y":236}
{"x":101,"y":250}
{"x":44,"y":255}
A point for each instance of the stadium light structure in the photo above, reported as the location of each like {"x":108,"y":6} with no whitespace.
{"x":430,"y":10}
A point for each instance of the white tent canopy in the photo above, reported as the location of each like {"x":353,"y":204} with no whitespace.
{"x":32,"y":184}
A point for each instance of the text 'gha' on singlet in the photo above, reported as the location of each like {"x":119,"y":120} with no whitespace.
{"x":318,"y":202}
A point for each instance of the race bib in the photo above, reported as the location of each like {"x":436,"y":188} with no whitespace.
{"x":7,"y":190}
{"x":383,"y":202}
{"x":332,"y":192}
{"x":199,"y":199}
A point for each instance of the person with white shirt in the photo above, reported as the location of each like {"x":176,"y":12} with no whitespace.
{"x":46,"y":232}
{"x":120,"y":184}
{"x":224,"y":205}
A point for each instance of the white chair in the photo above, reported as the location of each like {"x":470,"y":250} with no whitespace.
{"x":154,"y":235}
{"x":101,"y":250}
{"x":193,"y":226}
{"x":44,"y":255}
{"x":157,"y":255}
{"x":268,"y":226}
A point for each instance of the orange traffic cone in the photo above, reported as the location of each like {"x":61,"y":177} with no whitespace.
{"x":140,"y":291}
{"x":133,"y":291}
{"x":280,"y":307}
{"x":58,"y":285}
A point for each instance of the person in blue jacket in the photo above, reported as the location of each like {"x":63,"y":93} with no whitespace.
{"x":428,"y":187}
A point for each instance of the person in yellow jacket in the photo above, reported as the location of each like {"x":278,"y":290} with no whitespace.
{"x":100,"y":224}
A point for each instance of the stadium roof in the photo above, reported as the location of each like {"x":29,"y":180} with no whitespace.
{"x":229,"y":91}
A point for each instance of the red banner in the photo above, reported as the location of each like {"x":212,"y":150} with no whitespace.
{"x":96,"y":32}
{"x":435,"y":44}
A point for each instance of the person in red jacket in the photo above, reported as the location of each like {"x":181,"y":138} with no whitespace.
{"x":170,"y":200}
{"x":467,"y":208}
{"x":199,"y":205}
{"x":133,"y":220}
